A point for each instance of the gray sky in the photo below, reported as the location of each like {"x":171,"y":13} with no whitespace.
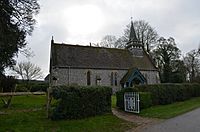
{"x":84,"y":21}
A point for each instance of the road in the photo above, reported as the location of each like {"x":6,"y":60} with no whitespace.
{"x":189,"y":122}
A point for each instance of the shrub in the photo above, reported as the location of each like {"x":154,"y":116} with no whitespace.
{"x":21,"y":88}
{"x":7,"y":84}
{"x":39,"y":87}
{"x":34,"y":87}
{"x":169,"y":93}
{"x":75,"y":102}
{"x":145,"y":98}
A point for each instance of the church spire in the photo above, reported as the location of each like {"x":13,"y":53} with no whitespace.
{"x":52,"y":41}
{"x":134,"y":45}
{"x":132,"y":36}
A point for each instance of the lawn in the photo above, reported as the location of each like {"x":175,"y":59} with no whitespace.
{"x":114,"y":101}
{"x":27,"y":113}
{"x":171,"y":110}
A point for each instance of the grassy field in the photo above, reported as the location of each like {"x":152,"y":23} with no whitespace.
{"x":27,"y":113}
{"x":167,"y":111}
{"x":171,"y":110}
{"x":114,"y":101}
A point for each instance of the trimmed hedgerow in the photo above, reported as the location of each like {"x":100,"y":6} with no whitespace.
{"x":145,"y":98}
{"x":168,"y":93}
{"x":39,"y":87}
{"x":75,"y":102}
{"x":34,"y":87}
{"x":7,"y":83}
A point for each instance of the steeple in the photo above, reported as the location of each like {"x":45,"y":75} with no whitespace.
{"x":52,"y":41}
{"x":132,"y":36}
{"x":134,"y":45}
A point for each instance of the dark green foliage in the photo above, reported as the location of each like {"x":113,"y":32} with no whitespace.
{"x":7,"y":84}
{"x":39,"y":87}
{"x":21,"y":88}
{"x":145,"y":98}
{"x":166,"y":55}
{"x":16,"y":21}
{"x":34,"y":87}
{"x":75,"y":102}
{"x":168,"y":93}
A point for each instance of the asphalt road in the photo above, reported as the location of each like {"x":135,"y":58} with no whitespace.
{"x":189,"y":122}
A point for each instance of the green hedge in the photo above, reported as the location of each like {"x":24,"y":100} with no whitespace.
{"x":75,"y":102}
{"x":7,"y":83}
{"x":145,"y":98}
{"x":34,"y":87}
{"x":169,"y":93}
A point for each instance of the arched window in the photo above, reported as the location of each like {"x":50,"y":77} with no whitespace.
{"x":111,"y":79}
{"x":115,"y":78}
{"x":88,"y":78}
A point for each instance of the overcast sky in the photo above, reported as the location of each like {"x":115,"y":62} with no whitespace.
{"x":84,"y":21}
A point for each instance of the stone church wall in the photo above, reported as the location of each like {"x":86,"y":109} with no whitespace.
{"x":151,"y":76}
{"x":68,"y":76}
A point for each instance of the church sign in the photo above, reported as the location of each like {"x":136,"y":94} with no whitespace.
{"x":131,"y":102}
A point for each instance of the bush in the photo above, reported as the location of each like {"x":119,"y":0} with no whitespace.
{"x":7,"y":83}
{"x":145,"y":98}
{"x":34,"y":87}
{"x":39,"y":87}
{"x":75,"y":102}
{"x":21,"y":88}
{"x":168,"y":93}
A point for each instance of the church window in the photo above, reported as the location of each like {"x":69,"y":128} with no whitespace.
{"x":115,"y":78}
{"x":98,"y":80}
{"x":88,"y":78}
{"x":111,"y":79}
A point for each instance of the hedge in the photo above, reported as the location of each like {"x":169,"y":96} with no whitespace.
{"x":145,"y":98}
{"x":75,"y":102}
{"x":7,"y":83}
{"x":34,"y":87}
{"x":168,"y":93}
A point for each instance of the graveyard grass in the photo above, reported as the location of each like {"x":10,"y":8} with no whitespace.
{"x":171,"y":110}
{"x":27,"y":113}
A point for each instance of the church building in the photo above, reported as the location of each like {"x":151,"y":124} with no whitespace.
{"x":88,"y":65}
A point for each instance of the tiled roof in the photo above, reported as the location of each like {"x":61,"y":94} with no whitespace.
{"x":64,"y":55}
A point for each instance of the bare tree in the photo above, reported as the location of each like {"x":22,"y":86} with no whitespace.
{"x":28,"y":71}
{"x":192,"y":62}
{"x":108,"y":41}
{"x":144,"y":32}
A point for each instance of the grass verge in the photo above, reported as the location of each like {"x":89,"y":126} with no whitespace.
{"x":27,"y":113}
{"x":113,"y":101}
{"x":171,"y":110}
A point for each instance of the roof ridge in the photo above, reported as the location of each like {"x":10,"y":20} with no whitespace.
{"x":64,"y":44}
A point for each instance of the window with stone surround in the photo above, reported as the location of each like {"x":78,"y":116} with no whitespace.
{"x":111,"y":78}
{"x":115,"y":78}
{"x":88,"y":78}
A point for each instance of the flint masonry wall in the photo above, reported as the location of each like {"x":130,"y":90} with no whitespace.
{"x":68,"y":76}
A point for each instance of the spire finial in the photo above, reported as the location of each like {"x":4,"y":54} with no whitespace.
{"x":132,"y":36}
{"x":52,"y":41}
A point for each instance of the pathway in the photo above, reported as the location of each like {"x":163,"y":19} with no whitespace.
{"x":138,"y":120}
{"x":189,"y":122}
